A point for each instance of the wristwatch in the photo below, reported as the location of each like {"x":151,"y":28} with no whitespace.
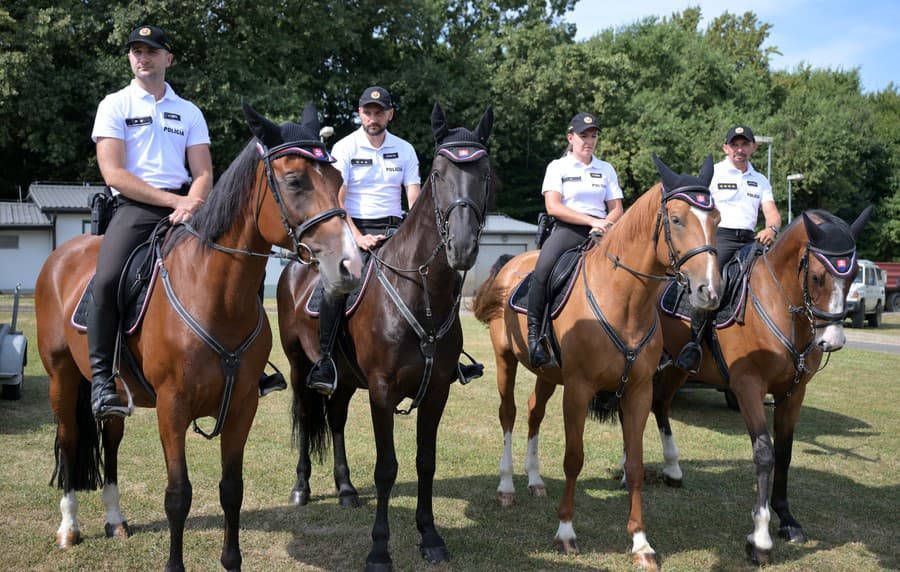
{"x":774,"y":229}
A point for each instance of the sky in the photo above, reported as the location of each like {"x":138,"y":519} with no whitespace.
{"x":827,"y":34}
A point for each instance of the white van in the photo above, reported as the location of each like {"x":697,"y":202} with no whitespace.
{"x":865,"y":300}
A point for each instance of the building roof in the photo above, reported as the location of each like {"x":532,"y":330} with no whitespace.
{"x":62,"y":197}
{"x":502,"y":224}
{"x":22,"y":215}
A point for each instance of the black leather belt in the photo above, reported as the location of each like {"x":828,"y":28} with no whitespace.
{"x":182,"y":190}
{"x":383,"y":221}
{"x":738,"y":233}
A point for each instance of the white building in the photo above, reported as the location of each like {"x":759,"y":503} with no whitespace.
{"x":54,"y":213}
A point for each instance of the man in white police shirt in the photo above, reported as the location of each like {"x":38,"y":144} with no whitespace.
{"x":376,"y":166}
{"x":739,"y":191}
{"x":144,"y":135}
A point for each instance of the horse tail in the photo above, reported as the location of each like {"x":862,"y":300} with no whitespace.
{"x":604,"y":407}
{"x":310,"y":422}
{"x":488,"y":302}
{"x":86,"y":470}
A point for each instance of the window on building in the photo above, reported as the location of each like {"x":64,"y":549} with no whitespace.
{"x":9,"y":242}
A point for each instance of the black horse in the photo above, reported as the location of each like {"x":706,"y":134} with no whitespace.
{"x":411,"y":306}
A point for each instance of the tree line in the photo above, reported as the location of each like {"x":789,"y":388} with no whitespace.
{"x":660,"y":84}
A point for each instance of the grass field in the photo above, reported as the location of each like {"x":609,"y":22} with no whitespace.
{"x":844,"y":485}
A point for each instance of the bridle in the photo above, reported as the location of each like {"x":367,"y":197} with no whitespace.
{"x":315,"y":151}
{"x":459,"y":152}
{"x":696,"y":196}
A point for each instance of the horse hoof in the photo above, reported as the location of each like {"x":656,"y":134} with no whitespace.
{"x":567,"y":546}
{"x":645,"y":560}
{"x":120,"y":530}
{"x":672,"y":482}
{"x":537,"y":490}
{"x":379,"y":566}
{"x":757,"y":556}
{"x":506,"y":499}
{"x":299,"y":498}
{"x":793,"y":534}
{"x":435,"y":554}
{"x":68,"y":539}
{"x":351,"y":500}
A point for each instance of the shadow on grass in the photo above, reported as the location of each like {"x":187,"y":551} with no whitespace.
{"x":29,"y":413}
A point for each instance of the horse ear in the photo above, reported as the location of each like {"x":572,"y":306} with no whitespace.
{"x":438,"y":123}
{"x":310,"y":118}
{"x":669,"y":177}
{"x":815,"y":234}
{"x":706,"y":171}
{"x":263,"y":129}
{"x":483,"y":131}
{"x":860,"y":222}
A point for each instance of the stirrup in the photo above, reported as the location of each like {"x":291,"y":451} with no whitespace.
{"x":103,"y":411}
{"x":467,"y":372}
{"x":324,"y":387}
{"x":545,"y":362}
{"x":271,"y":383}
{"x":689,"y":358}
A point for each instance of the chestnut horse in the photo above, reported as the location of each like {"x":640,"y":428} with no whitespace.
{"x":212,"y":272}
{"x":403,"y":340}
{"x":608,"y":336}
{"x":795,"y":313}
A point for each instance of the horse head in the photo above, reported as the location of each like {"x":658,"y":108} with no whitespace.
{"x":689,"y":220}
{"x":300,"y":211}
{"x":827,"y":267}
{"x":461,"y":185}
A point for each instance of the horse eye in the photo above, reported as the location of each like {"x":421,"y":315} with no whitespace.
{"x":297,"y":181}
{"x":676,"y":220}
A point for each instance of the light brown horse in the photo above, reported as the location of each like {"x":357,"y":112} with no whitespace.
{"x":607,"y":335}
{"x":204,"y":359}
{"x":795,"y":314}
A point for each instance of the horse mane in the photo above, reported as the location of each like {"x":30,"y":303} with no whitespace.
{"x":226,"y":202}
{"x":634,"y":222}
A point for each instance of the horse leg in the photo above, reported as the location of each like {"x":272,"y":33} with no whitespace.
{"x":537,"y":408}
{"x":759,"y":542}
{"x":308,"y":424}
{"x":231,"y":487}
{"x":338,"y":407}
{"x":575,"y":405}
{"x":506,"y":386}
{"x":379,"y":557}
{"x":635,"y":408}
{"x":785,"y":420}
{"x":432,"y":548}
{"x":665,"y":384}
{"x":172,"y":429}
{"x":116,"y":526}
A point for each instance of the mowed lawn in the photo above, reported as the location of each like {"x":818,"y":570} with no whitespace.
{"x":843,"y":484}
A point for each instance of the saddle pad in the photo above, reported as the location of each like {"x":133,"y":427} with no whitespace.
{"x":354,"y":299}
{"x":735,"y":279}
{"x":136,"y":305}
{"x":562,"y":281}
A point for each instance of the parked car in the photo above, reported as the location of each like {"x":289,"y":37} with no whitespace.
{"x":865,"y":300}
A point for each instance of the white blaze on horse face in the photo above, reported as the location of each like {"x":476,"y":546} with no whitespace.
{"x":506,"y":467}
{"x":711,"y":262}
{"x":832,"y":337}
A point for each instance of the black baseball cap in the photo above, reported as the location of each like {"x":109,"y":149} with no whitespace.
{"x":150,"y":35}
{"x":582,"y":122}
{"x":740,"y":131}
{"x":377,"y":95}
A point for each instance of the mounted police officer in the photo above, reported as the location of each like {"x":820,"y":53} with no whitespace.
{"x":739,"y":192}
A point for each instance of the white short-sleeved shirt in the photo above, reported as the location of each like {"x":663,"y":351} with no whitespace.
{"x":374,"y":177}
{"x":738,"y":196}
{"x":156,"y":133}
{"x":584,"y":188}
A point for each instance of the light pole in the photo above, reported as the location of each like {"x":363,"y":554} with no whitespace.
{"x":794,"y":177}
{"x":768,"y":141}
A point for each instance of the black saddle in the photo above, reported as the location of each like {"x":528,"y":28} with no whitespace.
{"x":735,"y":279}
{"x":562,"y":280}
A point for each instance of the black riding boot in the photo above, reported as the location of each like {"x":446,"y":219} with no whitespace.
{"x":537,"y":349}
{"x":692,"y":354}
{"x":102,"y":334}
{"x":323,"y":376}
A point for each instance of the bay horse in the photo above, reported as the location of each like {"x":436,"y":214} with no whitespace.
{"x":404,"y":338}
{"x":607,"y":334}
{"x":794,"y":315}
{"x":281,"y":190}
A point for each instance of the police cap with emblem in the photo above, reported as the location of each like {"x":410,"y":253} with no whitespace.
{"x":582,"y":122}
{"x":150,"y":35}
{"x":377,"y":95}
{"x":739,"y":131}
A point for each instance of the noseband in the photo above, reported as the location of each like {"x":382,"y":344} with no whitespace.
{"x":315,"y":151}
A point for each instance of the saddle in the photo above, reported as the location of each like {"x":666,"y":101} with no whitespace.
{"x":135,"y":286}
{"x":735,"y":281}
{"x":354,"y":298}
{"x":560,"y":284}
